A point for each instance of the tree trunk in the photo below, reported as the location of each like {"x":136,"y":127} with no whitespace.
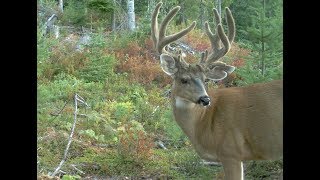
{"x":263,"y":66}
{"x":61,"y":5}
{"x":50,"y":27}
{"x":114,"y":17}
{"x":131,"y":15}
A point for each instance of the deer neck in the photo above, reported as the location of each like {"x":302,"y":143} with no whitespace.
{"x":192,"y":120}
{"x":186,"y":115}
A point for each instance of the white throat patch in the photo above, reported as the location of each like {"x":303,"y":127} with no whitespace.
{"x":183,"y":103}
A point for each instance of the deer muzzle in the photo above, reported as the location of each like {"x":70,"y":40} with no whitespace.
{"x":204,"y":100}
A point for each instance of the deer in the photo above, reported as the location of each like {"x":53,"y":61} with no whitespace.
{"x":227,"y":125}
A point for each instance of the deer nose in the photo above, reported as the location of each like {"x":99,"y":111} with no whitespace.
{"x":204,"y":100}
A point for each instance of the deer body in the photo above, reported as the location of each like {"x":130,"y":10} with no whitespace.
{"x":228,"y":125}
{"x":244,"y":123}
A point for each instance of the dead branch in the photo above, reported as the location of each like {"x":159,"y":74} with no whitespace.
{"x":57,"y":114}
{"x":74,"y":166}
{"x":210,"y":163}
{"x":160,"y":143}
{"x":76,"y":99}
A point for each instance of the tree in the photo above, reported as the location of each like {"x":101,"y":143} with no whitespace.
{"x":61,"y":5}
{"x":131,"y":15}
{"x":265,"y":33}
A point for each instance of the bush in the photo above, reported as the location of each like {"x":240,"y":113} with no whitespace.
{"x":140,"y":64}
{"x":67,"y":61}
{"x":134,"y":144}
{"x":98,"y":69}
{"x":65,"y":87}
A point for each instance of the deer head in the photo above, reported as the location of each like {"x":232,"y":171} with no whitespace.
{"x":189,"y":79}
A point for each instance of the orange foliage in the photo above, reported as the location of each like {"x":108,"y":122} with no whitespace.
{"x":238,"y":55}
{"x":197,"y":40}
{"x":135,"y":144}
{"x":64,"y":59}
{"x":140,"y":64}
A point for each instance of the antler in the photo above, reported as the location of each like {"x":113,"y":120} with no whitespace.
{"x":160,"y":40}
{"x":217,"y":50}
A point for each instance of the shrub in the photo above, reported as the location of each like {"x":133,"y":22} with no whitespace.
{"x":134,"y":144}
{"x":65,"y":86}
{"x":139,"y":63}
{"x":98,"y":69}
{"x":61,"y":58}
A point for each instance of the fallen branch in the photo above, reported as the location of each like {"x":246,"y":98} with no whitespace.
{"x":76,"y":99}
{"x":74,"y":166}
{"x":160,"y":143}
{"x":79,"y":98}
{"x":210,"y":163}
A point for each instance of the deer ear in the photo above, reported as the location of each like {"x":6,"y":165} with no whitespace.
{"x":219,"y":71}
{"x":168,"y":64}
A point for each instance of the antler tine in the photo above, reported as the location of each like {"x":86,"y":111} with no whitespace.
{"x":231,"y":26}
{"x":220,"y":36}
{"x":154,"y":25}
{"x":204,"y":56}
{"x":160,"y":40}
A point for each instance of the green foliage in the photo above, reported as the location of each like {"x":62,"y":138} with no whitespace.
{"x":105,"y":6}
{"x":65,"y":87}
{"x":176,"y":138}
{"x":98,"y":69}
{"x":264,"y":169}
{"x":44,"y":46}
{"x":265,"y":34}
{"x":98,"y":41}
{"x":90,"y":133}
{"x":183,"y":163}
{"x":122,"y":111}
{"x":75,"y":13}
{"x":250,"y":73}
{"x":100,"y":13}
{"x":259,"y":28}
{"x":71,"y":177}
{"x":247,"y":13}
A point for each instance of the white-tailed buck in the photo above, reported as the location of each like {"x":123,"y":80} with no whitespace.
{"x":228,"y":125}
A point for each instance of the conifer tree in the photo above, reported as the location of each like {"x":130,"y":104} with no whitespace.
{"x":264,"y":34}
